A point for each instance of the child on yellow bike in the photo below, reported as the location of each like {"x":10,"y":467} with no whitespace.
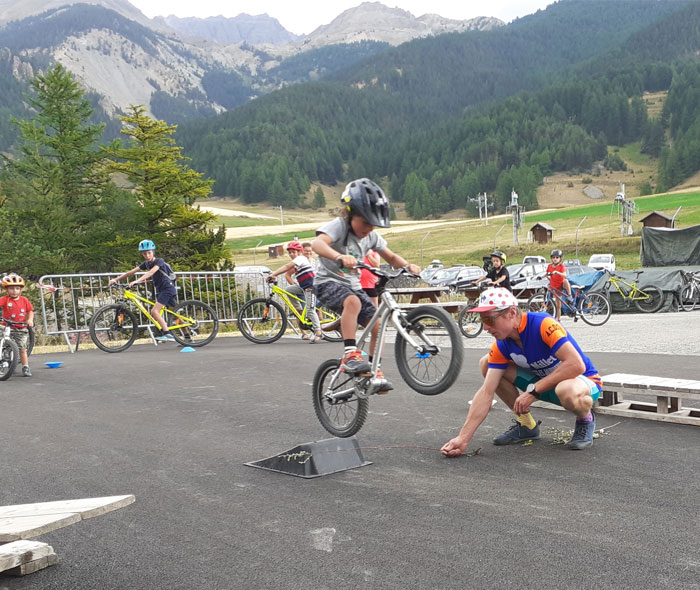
{"x":18,"y":308}
{"x":341,"y":244}
{"x":304,"y":275}
{"x":163,"y":282}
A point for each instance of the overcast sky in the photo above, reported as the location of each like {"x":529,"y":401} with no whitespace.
{"x":303,"y":16}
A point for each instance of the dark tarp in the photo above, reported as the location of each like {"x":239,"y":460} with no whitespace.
{"x":670,"y":247}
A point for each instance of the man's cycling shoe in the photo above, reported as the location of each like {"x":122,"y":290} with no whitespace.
{"x":517,"y":434}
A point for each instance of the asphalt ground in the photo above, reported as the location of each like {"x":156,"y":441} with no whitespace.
{"x":175,"y":429}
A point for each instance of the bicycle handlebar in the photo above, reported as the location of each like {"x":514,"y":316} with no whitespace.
{"x":386,"y":274}
{"x":13,"y":323}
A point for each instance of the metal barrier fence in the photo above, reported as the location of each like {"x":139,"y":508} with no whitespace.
{"x":68,"y":302}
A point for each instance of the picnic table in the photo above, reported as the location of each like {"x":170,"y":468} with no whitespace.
{"x":417,"y":293}
{"x":21,"y":522}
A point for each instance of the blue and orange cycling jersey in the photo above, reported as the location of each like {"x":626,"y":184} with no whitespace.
{"x":541,"y":336}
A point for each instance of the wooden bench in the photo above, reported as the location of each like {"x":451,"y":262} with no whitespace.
{"x":448,"y":306}
{"x":669,"y":393}
{"x":25,"y":521}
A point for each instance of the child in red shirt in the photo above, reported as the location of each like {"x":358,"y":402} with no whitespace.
{"x":557,"y":278}
{"x":18,"y":308}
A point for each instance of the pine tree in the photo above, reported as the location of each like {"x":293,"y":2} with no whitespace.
{"x":165,"y":191}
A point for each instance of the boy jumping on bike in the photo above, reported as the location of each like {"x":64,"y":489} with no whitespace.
{"x":304,"y":275}
{"x":557,"y":278}
{"x":341,"y":244}
{"x":18,"y":308}
{"x":163,"y":282}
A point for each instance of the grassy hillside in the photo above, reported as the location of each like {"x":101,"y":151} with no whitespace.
{"x":467,"y":241}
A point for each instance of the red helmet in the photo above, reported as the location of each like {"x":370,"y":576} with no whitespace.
{"x":295,"y":246}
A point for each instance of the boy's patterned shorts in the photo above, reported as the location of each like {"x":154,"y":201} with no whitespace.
{"x":21,"y":337}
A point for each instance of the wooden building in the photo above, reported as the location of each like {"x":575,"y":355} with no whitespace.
{"x":657,"y":219}
{"x":542,"y":233}
{"x":275,"y":251}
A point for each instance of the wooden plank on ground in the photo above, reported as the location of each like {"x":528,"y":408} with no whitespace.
{"x":24,"y":521}
{"x":22,"y":552}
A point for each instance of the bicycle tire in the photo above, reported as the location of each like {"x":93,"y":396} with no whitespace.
{"x":206,"y":323}
{"x":262,"y":321}
{"x":330,"y":324}
{"x":342,"y":418}
{"x":8,"y":359}
{"x":594,"y":308}
{"x":30,"y":340}
{"x":688,"y":297}
{"x":433,"y":371}
{"x":539,"y":302}
{"x":653,"y":302}
{"x":469,"y":323}
{"x":113,"y":328}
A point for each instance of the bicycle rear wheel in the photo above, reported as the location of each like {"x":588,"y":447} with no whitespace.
{"x":653,"y":299}
{"x":343,"y":414}
{"x":595,"y":308}
{"x":201,"y":326}
{"x":469,"y":323}
{"x":435,"y":366}
{"x":30,"y":340}
{"x":8,"y":359}
{"x":330,"y":324}
{"x":689,"y":297}
{"x":113,"y":328}
{"x":262,"y":321}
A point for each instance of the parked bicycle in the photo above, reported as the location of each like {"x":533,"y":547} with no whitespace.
{"x":9,"y":351}
{"x":115,"y":327}
{"x":690,"y":291}
{"x":428,"y":351}
{"x":594,"y":308}
{"x":469,"y":323}
{"x":647,"y":299}
{"x":264,"y":320}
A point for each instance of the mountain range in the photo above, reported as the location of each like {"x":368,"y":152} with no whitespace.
{"x":185,"y":68}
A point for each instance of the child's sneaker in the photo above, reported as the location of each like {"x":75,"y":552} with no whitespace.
{"x":386,"y":385}
{"x":26,"y":372}
{"x":353,"y":362}
{"x":165,"y":338}
{"x":516,"y":434}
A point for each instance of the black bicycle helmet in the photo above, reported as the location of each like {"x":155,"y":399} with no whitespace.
{"x":499,"y":254}
{"x":364,"y":198}
{"x":556,"y":253}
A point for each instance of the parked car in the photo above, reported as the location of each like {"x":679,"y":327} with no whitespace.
{"x":574,"y":267}
{"x":253,"y":269}
{"x":429,"y":271}
{"x":602,"y":262}
{"x":451,"y":276}
{"x":525,"y":276}
{"x":534,"y":259}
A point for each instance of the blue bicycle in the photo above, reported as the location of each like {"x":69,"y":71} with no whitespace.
{"x":593,"y":308}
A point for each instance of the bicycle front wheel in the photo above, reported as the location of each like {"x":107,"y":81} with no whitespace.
{"x":689,"y":297}
{"x":652,"y":298}
{"x":197,"y":326}
{"x":8,"y":359}
{"x":469,"y":323}
{"x":435,"y":365}
{"x":595,"y":308}
{"x":337,"y":407}
{"x":262,"y":321}
{"x":113,"y":328}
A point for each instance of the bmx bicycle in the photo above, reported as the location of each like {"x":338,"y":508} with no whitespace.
{"x":428,"y":351}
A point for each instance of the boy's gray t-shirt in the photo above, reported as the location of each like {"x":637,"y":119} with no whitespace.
{"x":345,"y":242}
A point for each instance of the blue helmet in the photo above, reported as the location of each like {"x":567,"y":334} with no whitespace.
{"x":146,"y":245}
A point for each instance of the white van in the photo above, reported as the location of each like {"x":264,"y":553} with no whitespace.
{"x":602,"y":262}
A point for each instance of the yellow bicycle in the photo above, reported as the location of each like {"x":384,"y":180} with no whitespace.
{"x":115,"y":327}
{"x":647,"y":299}
{"x":264,"y":320}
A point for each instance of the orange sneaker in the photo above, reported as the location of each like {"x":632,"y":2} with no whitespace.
{"x":386,"y":385}
{"x":353,"y":362}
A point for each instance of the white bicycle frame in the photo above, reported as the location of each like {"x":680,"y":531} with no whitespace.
{"x":387,"y":312}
